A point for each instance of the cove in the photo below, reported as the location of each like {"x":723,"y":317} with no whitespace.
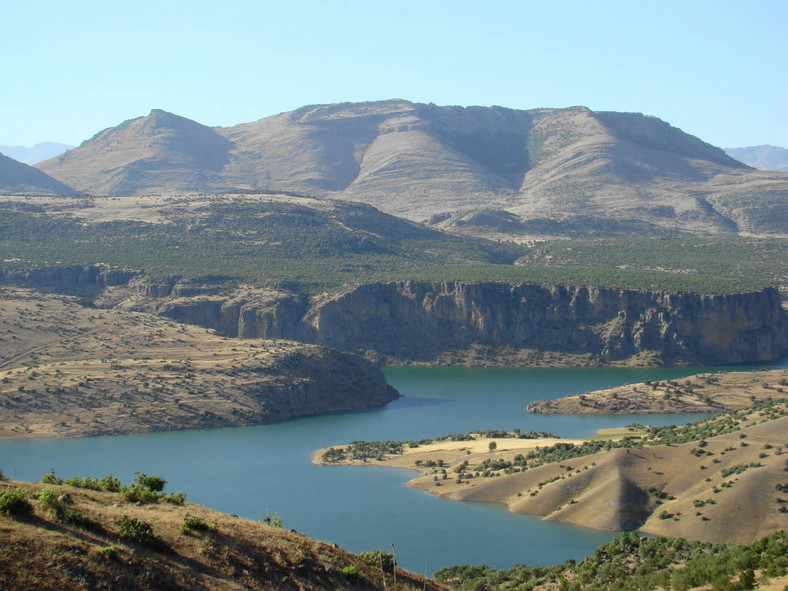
{"x":250,"y":470}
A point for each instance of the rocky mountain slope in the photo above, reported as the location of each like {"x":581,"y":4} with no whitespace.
{"x":82,"y":539}
{"x":71,"y":371}
{"x":483,"y":170}
{"x":16,"y":177}
{"x":761,"y":157}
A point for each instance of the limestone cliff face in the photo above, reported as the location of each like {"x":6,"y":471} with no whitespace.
{"x":419,"y":321}
{"x":424,"y":321}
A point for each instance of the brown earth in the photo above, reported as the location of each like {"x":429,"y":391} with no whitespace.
{"x":41,"y":553}
{"x":71,"y":371}
{"x":715,"y":392}
{"x":670,"y":490}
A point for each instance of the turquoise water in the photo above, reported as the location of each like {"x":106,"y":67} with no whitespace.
{"x":250,"y":470}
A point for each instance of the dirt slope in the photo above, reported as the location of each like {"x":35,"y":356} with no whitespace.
{"x":44,"y":553}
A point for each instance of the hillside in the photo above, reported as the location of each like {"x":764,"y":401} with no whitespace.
{"x":761,"y":157}
{"x":83,"y":539}
{"x":480,"y":170}
{"x":699,"y":393}
{"x":71,"y":371}
{"x":16,"y":177}
{"x":721,"y":480}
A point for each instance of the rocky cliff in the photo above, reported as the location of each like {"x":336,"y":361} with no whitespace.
{"x":440,"y":322}
{"x":422,"y":321}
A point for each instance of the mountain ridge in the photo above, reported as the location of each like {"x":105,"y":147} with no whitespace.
{"x":550,"y":170}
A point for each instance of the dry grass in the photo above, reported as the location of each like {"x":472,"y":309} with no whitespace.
{"x":625,"y":489}
{"x":699,"y":393}
{"x":41,"y":553}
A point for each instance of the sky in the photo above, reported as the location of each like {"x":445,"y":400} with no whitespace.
{"x":716,"y":69}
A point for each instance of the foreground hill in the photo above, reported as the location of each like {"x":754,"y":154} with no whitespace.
{"x":722,"y":480}
{"x":94,"y":540}
{"x":67,"y":370}
{"x":16,"y":177}
{"x":482,"y":170}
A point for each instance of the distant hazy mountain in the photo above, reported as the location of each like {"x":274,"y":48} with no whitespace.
{"x":761,"y":157}
{"x":17,"y":177}
{"x":482,"y":170}
{"x":37,"y":153}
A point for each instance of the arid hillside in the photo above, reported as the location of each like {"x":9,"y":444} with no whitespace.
{"x":480,"y":170}
{"x":82,"y":539}
{"x":722,"y":480}
{"x":16,"y":177}
{"x":699,"y":393}
{"x":71,"y":371}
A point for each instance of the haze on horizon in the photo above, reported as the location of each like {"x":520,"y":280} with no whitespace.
{"x":72,"y":69}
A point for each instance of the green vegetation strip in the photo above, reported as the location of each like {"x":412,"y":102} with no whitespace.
{"x":274,"y":242}
{"x":630,"y":562}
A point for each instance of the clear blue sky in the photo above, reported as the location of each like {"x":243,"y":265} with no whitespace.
{"x":715,"y":68}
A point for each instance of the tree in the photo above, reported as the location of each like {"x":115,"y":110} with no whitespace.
{"x":492,"y":446}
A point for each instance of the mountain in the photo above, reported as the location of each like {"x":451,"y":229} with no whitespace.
{"x":761,"y":157}
{"x":37,"y":153}
{"x":16,"y":177}
{"x":481,"y":170}
{"x":160,"y":152}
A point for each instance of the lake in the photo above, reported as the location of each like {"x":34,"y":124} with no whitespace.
{"x":250,"y":470}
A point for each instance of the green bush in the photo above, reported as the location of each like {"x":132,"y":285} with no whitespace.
{"x":14,"y":503}
{"x":48,"y":501}
{"x":108,"y":552}
{"x":139,"y":494}
{"x":379,"y":559}
{"x":193,"y":524}
{"x":138,"y":531}
{"x":152,"y":483}
{"x":273,"y":521}
{"x":351,"y":572}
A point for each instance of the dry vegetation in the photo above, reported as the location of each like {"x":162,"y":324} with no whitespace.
{"x":699,"y":393}
{"x":218,"y":551}
{"x":732,"y":487}
{"x":67,"y":370}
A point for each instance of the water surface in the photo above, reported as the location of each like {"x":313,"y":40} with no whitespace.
{"x":250,"y":470}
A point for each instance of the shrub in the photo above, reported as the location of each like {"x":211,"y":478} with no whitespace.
{"x":110,"y":484}
{"x":108,"y":552}
{"x":152,"y":483}
{"x":14,"y":503}
{"x":192,"y":524}
{"x":177,"y":498}
{"x":379,"y":559}
{"x":51,"y":478}
{"x":138,"y":531}
{"x":139,"y":494}
{"x":275,"y":521}
{"x":48,"y":501}
{"x":351,"y":572}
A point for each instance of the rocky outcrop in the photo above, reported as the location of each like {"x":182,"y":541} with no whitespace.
{"x":410,"y":321}
{"x":84,"y":281}
{"x":418,"y":321}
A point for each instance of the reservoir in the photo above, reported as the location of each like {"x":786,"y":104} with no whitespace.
{"x":249,"y":471}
